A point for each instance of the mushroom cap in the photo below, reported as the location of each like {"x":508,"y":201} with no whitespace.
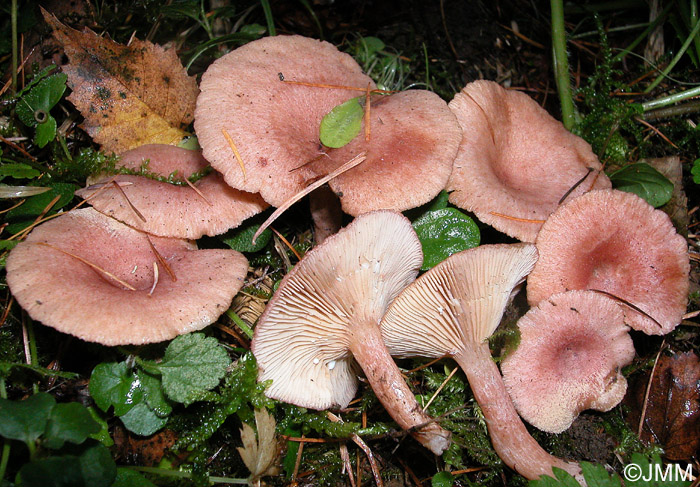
{"x":515,"y":160}
{"x":414,"y":139}
{"x":615,"y":242}
{"x":66,"y":294}
{"x":273,"y":124}
{"x":301,"y":341}
{"x":170,"y":210}
{"x":458,"y":302}
{"x":572,"y":347}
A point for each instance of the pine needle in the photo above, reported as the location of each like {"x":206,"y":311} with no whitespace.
{"x":235,"y":151}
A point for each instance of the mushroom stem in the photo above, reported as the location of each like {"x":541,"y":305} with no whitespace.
{"x":511,"y":440}
{"x":392,"y":391}
{"x":325,"y":213}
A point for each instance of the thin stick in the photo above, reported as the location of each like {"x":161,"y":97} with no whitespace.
{"x":297,"y":462}
{"x":576,"y":185}
{"x":88,"y":263}
{"x":658,"y":132}
{"x":6,"y":313}
{"x":444,"y":383}
{"x":234,"y":334}
{"x":133,"y":208}
{"x":286,"y":242}
{"x":367,"y":114}
{"x":13,"y":207}
{"x":345,"y":167}
{"x":235,"y":151}
{"x":646,"y":394}
{"x":524,"y":220}
{"x":47,"y":208}
{"x":161,"y":259}
{"x":627,"y":303}
{"x":360,"y":442}
{"x":155,"y":278}
{"x":196,"y":190}
{"x":335,"y":87}
{"x":345,"y":457}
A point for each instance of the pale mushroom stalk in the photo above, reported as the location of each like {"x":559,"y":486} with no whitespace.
{"x":452,"y":310}
{"x":511,"y":440}
{"x":327,"y":310}
{"x":367,"y":346}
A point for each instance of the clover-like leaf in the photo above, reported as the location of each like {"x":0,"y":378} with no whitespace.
{"x":444,"y":232}
{"x":342,"y":123}
{"x":644,"y":181}
{"x":115,"y":384}
{"x":18,"y":171}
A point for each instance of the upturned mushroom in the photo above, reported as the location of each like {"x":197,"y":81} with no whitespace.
{"x":452,"y":310}
{"x":616,"y":243}
{"x":571,"y":350}
{"x":207,"y":207}
{"x":323,"y":321}
{"x":516,"y":162}
{"x":91,"y":276}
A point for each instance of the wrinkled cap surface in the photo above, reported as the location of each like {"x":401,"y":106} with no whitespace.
{"x":516,"y":160}
{"x":66,"y":294}
{"x":460,"y":301}
{"x":273,"y":124}
{"x":615,"y":242}
{"x":413,"y":142}
{"x":171,"y":210}
{"x":572,"y":348}
{"x":301,"y":340}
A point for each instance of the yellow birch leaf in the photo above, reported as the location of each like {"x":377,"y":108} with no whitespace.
{"x":128,"y":95}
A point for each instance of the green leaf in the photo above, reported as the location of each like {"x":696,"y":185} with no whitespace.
{"x":103,"y":434}
{"x":18,"y":171}
{"x":142,"y":420}
{"x":644,"y":181}
{"x":70,"y":422}
{"x":21,"y":217}
{"x":241,"y":238}
{"x":130,"y":478}
{"x":442,"y":479}
{"x":192,"y":364}
{"x":153,"y":393}
{"x":561,"y":478}
{"x":444,"y":232}
{"x":597,"y":476}
{"x":88,"y":465}
{"x":342,"y":123}
{"x":36,"y":105}
{"x":25,"y":420}
{"x":97,"y":466}
{"x":115,"y":384}
{"x":695,"y":171}
{"x":372,"y":45}
{"x":45,"y":132}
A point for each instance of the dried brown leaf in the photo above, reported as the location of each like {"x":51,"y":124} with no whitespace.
{"x":260,"y":454}
{"x":672,"y":417}
{"x":129,"y":95}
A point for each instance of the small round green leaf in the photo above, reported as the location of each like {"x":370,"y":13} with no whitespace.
{"x":445,"y":232}
{"x":70,"y":422}
{"x":644,"y":181}
{"x":25,"y":420}
{"x":115,"y":384}
{"x":142,"y":420}
{"x":342,"y":124}
{"x":130,"y":478}
{"x":42,"y":98}
{"x":695,"y":171}
{"x":442,"y":479}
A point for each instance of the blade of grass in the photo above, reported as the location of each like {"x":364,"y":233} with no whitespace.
{"x":561,"y":64}
{"x":268,"y":17}
{"x":644,"y":34}
{"x":13,"y":20}
{"x":670,"y":99}
{"x":675,"y":59}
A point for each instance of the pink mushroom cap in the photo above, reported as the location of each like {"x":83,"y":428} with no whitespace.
{"x":64,"y":292}
{"x":414,"y":139}
{"x":171,"y":210}
{"x":274,"y":125}
{"x":572,"y":348}
{"x":615,"y":242}
{"x":516,"y":160}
